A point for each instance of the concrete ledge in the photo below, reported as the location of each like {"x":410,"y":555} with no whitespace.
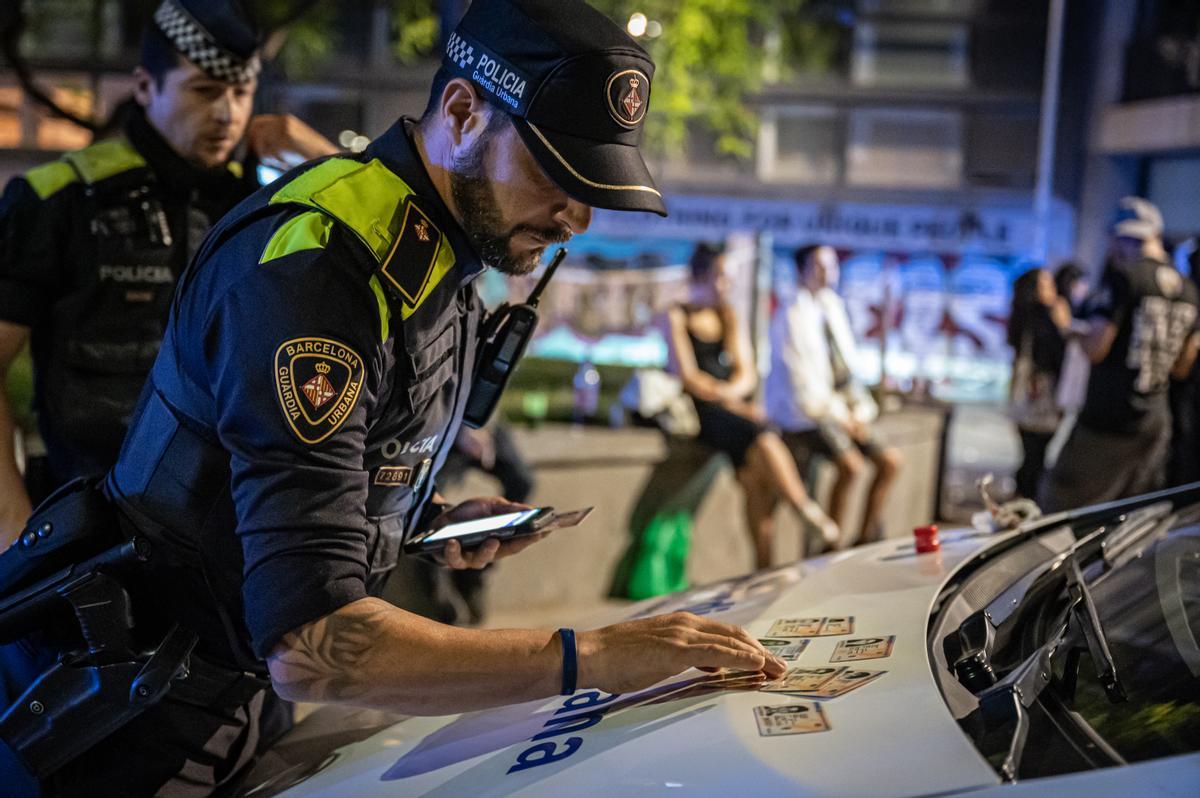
{"x":576,"y":467}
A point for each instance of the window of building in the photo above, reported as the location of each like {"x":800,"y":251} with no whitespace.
{"x":800,"y":145}
{"x":923,"y":55}
{"x":903,"y":148}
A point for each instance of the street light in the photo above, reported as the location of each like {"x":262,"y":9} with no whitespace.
{"x":637,"y":24}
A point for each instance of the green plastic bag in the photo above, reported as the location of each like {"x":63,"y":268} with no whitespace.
{"x":660,"y":526}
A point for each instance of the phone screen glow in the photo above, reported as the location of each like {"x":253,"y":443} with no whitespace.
{"x":491,"y":523}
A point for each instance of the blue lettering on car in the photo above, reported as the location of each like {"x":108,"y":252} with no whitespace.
{"x":543,"y":753}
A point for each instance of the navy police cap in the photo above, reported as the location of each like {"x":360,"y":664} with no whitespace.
{"x":577,"y":87}
{"x":216,"y":35}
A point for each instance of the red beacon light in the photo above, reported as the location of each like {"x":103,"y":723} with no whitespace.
{"x":926,"y":538}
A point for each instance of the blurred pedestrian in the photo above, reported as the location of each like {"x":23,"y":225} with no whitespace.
{"x":708,"y":351}
{"x":1141,"y":331}
{"x":812,"y":394}
{"x":1070,"y":283}
{"x":1184,"y":465}
{"x":1037,"y":332}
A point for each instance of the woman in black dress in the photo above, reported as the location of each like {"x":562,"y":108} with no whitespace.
{"x":708,"y":353}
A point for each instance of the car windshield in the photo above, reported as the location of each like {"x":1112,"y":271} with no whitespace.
{"x":1150,"y":610}
{"x":1036,"y":661}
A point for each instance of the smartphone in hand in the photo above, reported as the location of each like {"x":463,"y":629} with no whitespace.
{"x":505,"y":526}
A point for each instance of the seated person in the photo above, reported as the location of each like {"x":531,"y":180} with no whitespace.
{"x":811,"y":394}
{"x":708,"y":353}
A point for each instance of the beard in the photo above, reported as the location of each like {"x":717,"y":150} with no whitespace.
{"x":483,"y":223}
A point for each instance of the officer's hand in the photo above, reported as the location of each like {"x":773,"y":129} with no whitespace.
{"x":634,"y":655}
{"x":282,"y":141}
{"x":454,"y":556}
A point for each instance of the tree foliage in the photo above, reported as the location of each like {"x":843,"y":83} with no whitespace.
{"x":713,"y":55}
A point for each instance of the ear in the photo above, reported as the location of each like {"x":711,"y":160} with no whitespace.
{"x":143,"y":86}
{"x":464,"y":112}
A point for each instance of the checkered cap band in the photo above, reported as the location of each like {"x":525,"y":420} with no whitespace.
{"x":198,"y":46}
{"x":458,"y":51}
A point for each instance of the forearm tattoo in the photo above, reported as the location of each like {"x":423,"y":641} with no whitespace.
{"x":324,"y":661}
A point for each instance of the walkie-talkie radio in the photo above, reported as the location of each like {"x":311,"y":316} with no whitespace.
{"x":505,"y":336}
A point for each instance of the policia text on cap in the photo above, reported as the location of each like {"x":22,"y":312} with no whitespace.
{"x":314,"y":370}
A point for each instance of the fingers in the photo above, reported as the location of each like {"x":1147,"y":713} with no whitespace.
{"x":475,"y":558}
{"x":710,"y":626}
{"x":452,"y":555}
{"x":710,"y":633}
{"x":511,"y":547}
{"x":722,"y":656}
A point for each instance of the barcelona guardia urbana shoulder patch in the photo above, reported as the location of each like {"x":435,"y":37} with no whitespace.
{"x":318,"y":381}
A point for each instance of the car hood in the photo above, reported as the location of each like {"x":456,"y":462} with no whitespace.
{"x":892,"y":737}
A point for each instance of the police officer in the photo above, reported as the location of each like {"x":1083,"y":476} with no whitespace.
{"x":91,"y":245}
{"x":313,"y":373}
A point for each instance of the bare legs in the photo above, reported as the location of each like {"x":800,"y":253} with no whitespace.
{"x":770,"y":474}
{"x":761,"y":501}
{"x":850,"y":465}
{"x":887,"y":465}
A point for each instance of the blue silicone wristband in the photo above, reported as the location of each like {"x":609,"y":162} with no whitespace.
{"x":570,"y":670}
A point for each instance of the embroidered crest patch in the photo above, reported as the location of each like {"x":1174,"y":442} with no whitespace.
{"x":628,"y":92}
{"x":410,"y":264}
{"x":318,"y":381}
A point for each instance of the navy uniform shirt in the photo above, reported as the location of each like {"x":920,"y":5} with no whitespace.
{"x":90,"y":249}
{"x":313,"y":375}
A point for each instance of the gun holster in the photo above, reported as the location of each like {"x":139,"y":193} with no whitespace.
{"x":71,"y":568}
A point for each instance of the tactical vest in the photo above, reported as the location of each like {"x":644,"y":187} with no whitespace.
{"x":177,"y":486}
{"x":120,"y":260}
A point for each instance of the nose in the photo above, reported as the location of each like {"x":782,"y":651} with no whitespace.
{"x":576,"y":214}
{"x":222,"y":109}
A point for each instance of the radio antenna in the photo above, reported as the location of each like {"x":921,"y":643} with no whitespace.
{"x":541,"y":286}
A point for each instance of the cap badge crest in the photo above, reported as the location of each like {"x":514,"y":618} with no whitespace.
{"x":628,"y":92}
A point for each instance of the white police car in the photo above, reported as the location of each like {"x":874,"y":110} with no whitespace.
{"x":1058,"y":659}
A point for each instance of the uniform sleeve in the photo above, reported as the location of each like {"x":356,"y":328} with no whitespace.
{"x":28,"y":253}
{"x":294,"y":364}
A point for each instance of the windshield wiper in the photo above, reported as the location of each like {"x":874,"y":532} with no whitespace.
{"x":969,"y":650}
{"x":1009,"y":700}
{"x":1083,"y":610}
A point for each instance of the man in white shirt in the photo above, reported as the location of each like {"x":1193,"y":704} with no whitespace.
{"x":811,"y":394}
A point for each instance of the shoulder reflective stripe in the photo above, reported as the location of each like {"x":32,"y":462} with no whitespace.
{"x":364,"y":197}
{"x":385,"y":313}
{"x":104,"y":159}
{"x":306,"y":231}
{"x":301,"y":187}
{"x":48,"y":179}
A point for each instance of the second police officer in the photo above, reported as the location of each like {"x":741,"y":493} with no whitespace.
{"x":313,"y":374}
{"x":91,"y":245}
